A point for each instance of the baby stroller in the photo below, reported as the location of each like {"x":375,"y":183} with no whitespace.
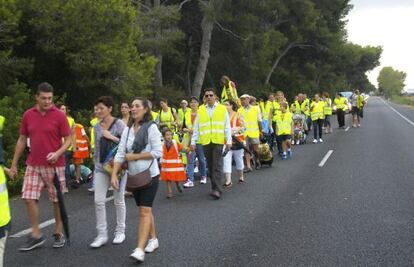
{"x":265,"y":153}
{"x":299,"y":130}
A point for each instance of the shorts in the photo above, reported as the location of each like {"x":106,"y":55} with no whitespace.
{"x":77,"y":161}
{"x":38,"y":177}
{"x":284,"y":137}
{"x":252,"y":141}
{"x":145,"y":197}
{"x":355,"y":111}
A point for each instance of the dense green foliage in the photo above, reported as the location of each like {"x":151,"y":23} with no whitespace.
{"x":88,"y":48}
{"x":391,"y":82}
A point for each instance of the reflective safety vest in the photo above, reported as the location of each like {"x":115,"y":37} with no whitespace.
{"x":172,"y":168}
{"x":189,"y":125}
{"x":276,"y":109}
{"x":327,"y":109}
{"x":235,"y":124}
{"x":233,"y":94}
{"x":4,"y":197}
{"x":302,"y":108}
{"x":82,"y":150}
{"x":154,"y":116}
{"x":211,"y":129}
{"x":2,"y":120}
{"x":317,"y":110}
{"x":167,"y":118}
{"x":71,"y":122}
{"x":360,"y":101}
{"x":181,"y":114}
{"x":340,"y":103}
{"x":266,"y":108}
{"x":250,"y":117}
{"x":284,"y":123}
{"x":93,"y":122}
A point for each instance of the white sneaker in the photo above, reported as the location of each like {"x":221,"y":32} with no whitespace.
{"x":298,"y":142}
{"x":119,"y":239}
{"x":111,"y":188}
{"x":91,"y":189}
{"x":138,"y":254}
{"x":151,"y":246}
{"x":195,"y":169}
{"x":203,"y":180}
{"x":188,"y":184}
{"x":320,"y":140}
{"x":315,"y":141}
{"x":99,"y":242}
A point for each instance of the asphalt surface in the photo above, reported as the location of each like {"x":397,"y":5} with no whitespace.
{"x":356,"y":210}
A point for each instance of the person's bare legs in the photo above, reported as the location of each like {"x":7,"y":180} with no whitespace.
{"x":78,"y":172}
{"x":152,"y":230}
{"x":248,"y":159}
{"x":33,"y":212}
{"x":145,"y":224}
{"x":58,"y":218}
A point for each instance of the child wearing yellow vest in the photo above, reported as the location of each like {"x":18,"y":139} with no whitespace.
{"x":318,"y":117}
{"x":284,"y":130}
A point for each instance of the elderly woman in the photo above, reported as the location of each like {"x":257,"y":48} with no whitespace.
{"x":141,"y":146}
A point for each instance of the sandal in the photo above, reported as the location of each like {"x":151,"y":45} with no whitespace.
{"x":169,"y":195}
{"x":241,"y":181}
{"x":247,"y":170}
{"x":228,"y":185}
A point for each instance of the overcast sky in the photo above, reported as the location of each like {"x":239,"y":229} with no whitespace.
{"x":385,"y":23}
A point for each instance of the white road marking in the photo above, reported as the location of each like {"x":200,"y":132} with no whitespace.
{"x":399,"y":114}
{"x":44,"y":224}
{"x":347,"y":129}
{"x":323,"y":161}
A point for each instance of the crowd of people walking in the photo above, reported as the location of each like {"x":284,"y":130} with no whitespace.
{"x":131,"y":154}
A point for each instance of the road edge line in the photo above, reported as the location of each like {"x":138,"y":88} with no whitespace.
{"x":398,"y":113}
{"x":325,"y":158}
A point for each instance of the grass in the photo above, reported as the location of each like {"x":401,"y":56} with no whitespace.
{"x":404,"y":100}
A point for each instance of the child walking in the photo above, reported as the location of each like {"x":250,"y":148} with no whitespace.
{"x":284,"y":130}
{"x":172,"y":168}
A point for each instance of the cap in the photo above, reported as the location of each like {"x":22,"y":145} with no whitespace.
{"x":194,"y":98}
{"x":184,"y":101}
{"x":245,"y":96}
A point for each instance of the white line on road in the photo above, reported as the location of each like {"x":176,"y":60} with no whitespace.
{"x":399,"y":114}
{"x":347,"y":129}
{"x":323,"y":161}
{"x":45,"y":224}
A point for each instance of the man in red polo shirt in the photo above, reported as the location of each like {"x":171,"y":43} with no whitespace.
{"x":46,"y":126}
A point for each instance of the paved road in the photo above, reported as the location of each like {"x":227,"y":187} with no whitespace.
{"x":355,"y":210}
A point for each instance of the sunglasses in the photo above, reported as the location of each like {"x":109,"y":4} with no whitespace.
{"x":209,"y":95}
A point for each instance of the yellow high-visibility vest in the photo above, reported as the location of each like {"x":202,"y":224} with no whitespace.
{"x":327,"y":109}
{"x":276,"y":109}
{"x":317,"y":110}
{"x":284,"y":123}
{"x":181,"y":114}
{"x":93,"y":122}
{"x":340,"y":103}
{"x":4,"y":197}
{"x":302,"y":108}
{"x":233,"y":94}
{"x":71,"y":122}
{"x":360,"y":101}
{"x":251,"y":121}
{"x":154,"y":115}
{"x":211,"y":129}
{"x":265,"y":108}
{"x":167,"y":118}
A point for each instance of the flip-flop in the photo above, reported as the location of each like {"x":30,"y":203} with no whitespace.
{"x":248,"y":170}
{"x":241,"y":181}
{"x":228,"y":185}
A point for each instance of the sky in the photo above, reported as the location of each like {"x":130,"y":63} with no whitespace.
{"x":385,"y":23}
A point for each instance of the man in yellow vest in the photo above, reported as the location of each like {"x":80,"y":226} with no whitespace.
{"x":212,"y":130}
{"x":183,"y":111}
{"x":340,"y":104}
{"x":253,"y":121}
{"x":317,"y":115}
{"x":5,"y":217}
{"x":229,"y":91}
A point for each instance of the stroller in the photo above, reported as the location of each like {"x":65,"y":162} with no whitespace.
{"x":299,"y":130}
{"x":265,"y":152}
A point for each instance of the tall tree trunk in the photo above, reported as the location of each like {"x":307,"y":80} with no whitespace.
{"x":207,"y":26}
{"x":187,"y":78}
{"x":158,"y":81}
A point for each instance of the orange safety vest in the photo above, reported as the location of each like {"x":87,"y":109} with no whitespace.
{"x":234,"y":124}
{"x":82,"y":149}
{"x":172,"y":168}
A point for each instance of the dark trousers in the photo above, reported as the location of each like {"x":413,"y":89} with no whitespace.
{"x":213,"y":154}
{"x":68,"y":161}
{"x":340,"y":114}
{"x":275,"y":139}
{"x":317,"y":126}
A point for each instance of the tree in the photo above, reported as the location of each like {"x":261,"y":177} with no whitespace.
{"x":391,"y":82}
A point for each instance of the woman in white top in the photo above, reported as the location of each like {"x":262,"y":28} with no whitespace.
{"x":139,"y":159}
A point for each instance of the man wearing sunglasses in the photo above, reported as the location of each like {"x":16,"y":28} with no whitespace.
{"x":212,"y":130}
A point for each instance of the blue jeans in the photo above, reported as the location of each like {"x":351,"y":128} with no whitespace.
{"x":199,"y":153}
